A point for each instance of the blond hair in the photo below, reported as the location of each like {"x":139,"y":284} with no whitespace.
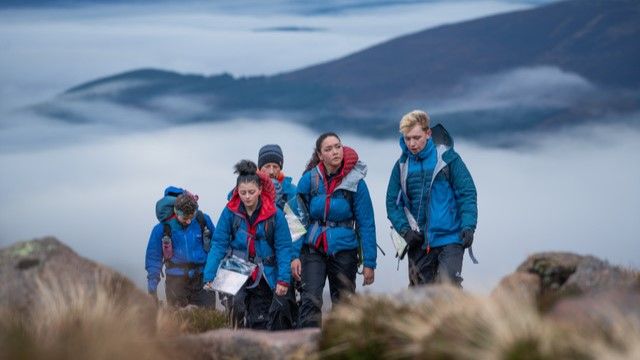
{"x":409,"y":120}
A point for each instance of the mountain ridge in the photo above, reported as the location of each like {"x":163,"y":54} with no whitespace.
{"x":368,"y":90}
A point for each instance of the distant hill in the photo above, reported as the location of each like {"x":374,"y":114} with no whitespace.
{"x":565,"y":63}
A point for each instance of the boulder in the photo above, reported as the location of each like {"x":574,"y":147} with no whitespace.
{"x":561,"y":274}
{"x":523,"y":286}
{"x":30,"y":267}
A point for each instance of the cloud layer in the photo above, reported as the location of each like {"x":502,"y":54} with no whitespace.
{"x":575,"y":192}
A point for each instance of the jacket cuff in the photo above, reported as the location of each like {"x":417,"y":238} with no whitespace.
{"x":283,"y":283}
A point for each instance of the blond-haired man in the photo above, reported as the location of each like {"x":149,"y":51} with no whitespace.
{"x":431,"y":201}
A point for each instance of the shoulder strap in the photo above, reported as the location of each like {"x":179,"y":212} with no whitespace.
{"x":201,"y":221}
{"x":167,"y":229}
{"x":237,"y":220}
{"x":315,"y":183}
{"x":269,"y":232}
{"x":446,"y":172}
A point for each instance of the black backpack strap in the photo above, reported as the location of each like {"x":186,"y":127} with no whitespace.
{"x":204,"y":229}
{"x":235,"y":225}
{"x":315,"y":183}
{"x":270,"y":232}
{"x":167,"y":229}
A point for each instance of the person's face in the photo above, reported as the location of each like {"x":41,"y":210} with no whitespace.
{"x":416,"y":138}
{"x":249,"y":193}
{"x":185,"y":219}
{"x":272,"y":169}
{"x":331,"y":152}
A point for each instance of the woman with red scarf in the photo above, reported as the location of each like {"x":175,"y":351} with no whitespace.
{"x":243,"y":231}
{"x":335,"y":207}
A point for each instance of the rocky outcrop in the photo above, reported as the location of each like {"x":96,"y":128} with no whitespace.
{"x":28,"y":267}
{"x":547,"y":277}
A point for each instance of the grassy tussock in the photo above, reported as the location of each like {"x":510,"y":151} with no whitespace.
{"x":460,"y":326}
{"x":73,"y":321}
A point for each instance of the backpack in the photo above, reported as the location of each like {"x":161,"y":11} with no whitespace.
{"x":164,"y":212}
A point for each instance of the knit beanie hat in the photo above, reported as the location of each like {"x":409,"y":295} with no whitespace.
{"x":270,"y":154}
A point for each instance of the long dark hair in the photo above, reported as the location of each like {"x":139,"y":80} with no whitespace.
{"x":246,"y":170}
{"x":315,"y":160}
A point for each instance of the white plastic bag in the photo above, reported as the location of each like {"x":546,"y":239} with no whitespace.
{"x":295,"y":226}
{"x":232,"y":274}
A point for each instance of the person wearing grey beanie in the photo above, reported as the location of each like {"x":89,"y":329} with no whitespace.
{"x":270,"y":161}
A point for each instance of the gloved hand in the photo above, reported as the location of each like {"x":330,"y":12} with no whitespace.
{"x":467,"y":237}
{"x":414,"y":239}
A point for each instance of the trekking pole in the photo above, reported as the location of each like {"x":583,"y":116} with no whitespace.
{"x":382,"y":251}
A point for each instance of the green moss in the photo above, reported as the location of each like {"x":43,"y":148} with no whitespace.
{"x":24,"y":249}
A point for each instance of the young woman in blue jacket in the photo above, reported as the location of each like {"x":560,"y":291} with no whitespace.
{"x":336,"y":209}
{"x":242,"y":231}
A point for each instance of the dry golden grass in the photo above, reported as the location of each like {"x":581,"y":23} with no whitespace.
{"x":457,"y":325}
{"x":73,"y":321}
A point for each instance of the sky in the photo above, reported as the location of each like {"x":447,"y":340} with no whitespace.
{"x":94,"y":186}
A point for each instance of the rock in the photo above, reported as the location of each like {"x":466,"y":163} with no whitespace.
{"x":561,"y":274}
{"x":598,"y":310}
{"x":524,"y":286}
{"x":28,"y":267}
{"x":577,"y":273}
{"x":251,"y":344}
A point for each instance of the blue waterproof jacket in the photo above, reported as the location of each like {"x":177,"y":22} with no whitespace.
{"x":312,"y":212}
{"x":437,"y":189}
{"x":224,"y":240}
{"x":286,"y":192}
{"x":186,"y":241}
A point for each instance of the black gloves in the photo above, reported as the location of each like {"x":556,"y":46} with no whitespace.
{"x":467,"y":237}
{"x":414,"y":239}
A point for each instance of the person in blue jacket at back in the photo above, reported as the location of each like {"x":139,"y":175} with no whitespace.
{"x":270,"y":161}
{"x":335,"y":207}
{"x":431,"y":202}
{"x":180,"y":242}
{"x":242,"y":231}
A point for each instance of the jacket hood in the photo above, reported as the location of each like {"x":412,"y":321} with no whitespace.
{"x":267,"y":197}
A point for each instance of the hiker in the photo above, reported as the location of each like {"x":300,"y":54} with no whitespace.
{"x":253,"y":228}
{"x":335,"y":207}
{"x":270,"y":161}
{"x":180,"y":242}
{"x":431,"y":202}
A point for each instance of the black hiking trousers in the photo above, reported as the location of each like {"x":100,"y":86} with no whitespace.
{"x":261,"y":309}
{"x":441,"y":264}
{"x":341,"y":271}
{"x":184,"y":290}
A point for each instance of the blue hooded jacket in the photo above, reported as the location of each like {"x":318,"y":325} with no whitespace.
{"x":443,"y":201}
{"x":186,"y":241}
{"x":224,"y":239}
{"x":312,"y":210}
